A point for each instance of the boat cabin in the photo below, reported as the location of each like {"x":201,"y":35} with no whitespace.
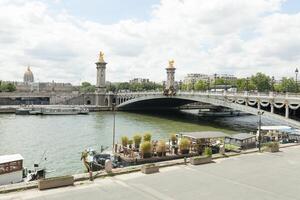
{"x":203,"y":139}
{"x":11,"y":169}
{"x":242,"y":140}
{"x":294,"y":135}
{"x":275,"y":133}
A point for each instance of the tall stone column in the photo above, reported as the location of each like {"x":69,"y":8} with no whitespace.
{"x":100,"y":84}
{"x":287,"y":110}
{"x":170,"y":84}
{"x":272,"y":107}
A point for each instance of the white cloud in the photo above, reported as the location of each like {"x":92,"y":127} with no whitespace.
{"x":233,"y":36}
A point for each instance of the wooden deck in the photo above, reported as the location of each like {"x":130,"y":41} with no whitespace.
{"x":139,"y":161}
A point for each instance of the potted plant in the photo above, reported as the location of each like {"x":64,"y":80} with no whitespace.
{"x":124,"y":140}
{"x":161,"y":148}
{"x":146,"y":149}
{"x":147,"y":137}
{"x":271,"y":147}
{"x":149,"y":168}
{"x":137,"y":141}
{"x":207,"y":152}
{"x":173,"y":139}
{"x":130,"y":142}
{"x":184,"y":146}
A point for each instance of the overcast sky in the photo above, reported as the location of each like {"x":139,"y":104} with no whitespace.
{"x":61,"y":39}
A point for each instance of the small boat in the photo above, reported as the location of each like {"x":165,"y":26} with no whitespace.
{"x":60,"y":111}
{"x":12,"y":170}
{"x":84,"y":111}
{"x":35,"y":112}
{"x":96,"y":161}
{"x":23,"y":111}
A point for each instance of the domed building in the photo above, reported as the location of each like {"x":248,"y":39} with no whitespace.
{"x":28,"y":76}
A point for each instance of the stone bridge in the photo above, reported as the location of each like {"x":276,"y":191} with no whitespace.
{"x":245,"y":102}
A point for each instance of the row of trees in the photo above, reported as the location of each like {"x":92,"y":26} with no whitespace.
{"x":87,"y":87}
{"x":7,"y":87}
{"x":259,"y":82}
{"x":134,"y":86}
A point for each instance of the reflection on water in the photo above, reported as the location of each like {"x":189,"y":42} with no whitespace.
{"x":64,"y":137}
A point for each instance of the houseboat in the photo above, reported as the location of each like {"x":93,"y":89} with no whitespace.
{"x":23,"y":111}
{"x":11,"y":169}
{"x":64,"y":111}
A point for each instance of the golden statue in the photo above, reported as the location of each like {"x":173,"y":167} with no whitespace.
{"x":101,"y":57}
{"x":171,"y":63}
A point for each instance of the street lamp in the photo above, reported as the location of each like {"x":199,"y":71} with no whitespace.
{"x":208,"y":84}
{"x":296,"y":72}
{"x":273,"y":80}
{"x":114,"y":126}
{"x":215,"y":76}
{"x":180,"y":85}
{"x":247,"y":84}
{"x":259,"y":113}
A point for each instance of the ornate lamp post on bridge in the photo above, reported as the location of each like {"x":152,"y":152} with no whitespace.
{"x":208,"y":84}
{"x":296,"y":72}
{"x":215,"y":78}
{"x":247,"y":84}
{"x":272,"y":83}
{"x":259,"y":113}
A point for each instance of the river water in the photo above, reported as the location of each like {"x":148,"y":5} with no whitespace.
{"x":63,"y":138}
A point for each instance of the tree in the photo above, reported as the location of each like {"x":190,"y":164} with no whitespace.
{"x":262,"y":82}
{"x":7,"y":87}
{"x":287,"y":85}
{"x":243,"y":84}
{"x":111,"y":87}
{"x":220,"y":81}
{"x":200,"y":85}
{"x":87,"y":87}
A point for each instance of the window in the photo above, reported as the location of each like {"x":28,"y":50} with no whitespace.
{"x":10,"y":167}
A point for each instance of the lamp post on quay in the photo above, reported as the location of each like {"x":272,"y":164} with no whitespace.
{"x":114,"y":127}
{"x":215,"y":79}
{"x":259,"y":113}
{"x":296,"y":73}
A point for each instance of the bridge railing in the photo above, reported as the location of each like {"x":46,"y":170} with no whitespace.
{"x":218,"y":93}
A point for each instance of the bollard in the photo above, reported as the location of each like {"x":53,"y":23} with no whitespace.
{"x":184,"y":160}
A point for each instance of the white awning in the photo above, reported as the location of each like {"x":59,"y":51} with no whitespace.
{"x":276,"y":128}
{"x":10,"y":158}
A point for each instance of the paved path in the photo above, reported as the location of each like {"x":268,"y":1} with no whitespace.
{"x":254,"y":176}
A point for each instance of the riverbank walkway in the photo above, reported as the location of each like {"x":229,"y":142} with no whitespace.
{"x":252,"y":176}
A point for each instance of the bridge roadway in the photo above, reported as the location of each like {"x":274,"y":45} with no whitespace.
{"x":245,"y":102}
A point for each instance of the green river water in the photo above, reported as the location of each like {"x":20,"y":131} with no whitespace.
{"x":63,"y":138}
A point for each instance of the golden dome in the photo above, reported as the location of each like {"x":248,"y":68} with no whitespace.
{"x":28,"y":76}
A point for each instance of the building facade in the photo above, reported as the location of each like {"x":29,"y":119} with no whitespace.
{"x":139,"y":80}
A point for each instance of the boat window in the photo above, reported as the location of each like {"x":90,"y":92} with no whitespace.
{"x":10,"y":167}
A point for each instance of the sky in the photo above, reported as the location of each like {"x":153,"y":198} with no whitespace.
{"x":61,"y":39}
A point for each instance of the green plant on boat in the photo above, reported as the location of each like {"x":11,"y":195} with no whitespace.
{"x":161,"y":148}
{"x":184,"y":145}
{"x":146,"y":149}
{"x":173,"y":138}
{"x":130,"y":142}
{"x":137,"y":140}
{"x":147,"y":137}
{"x":124,"y":140}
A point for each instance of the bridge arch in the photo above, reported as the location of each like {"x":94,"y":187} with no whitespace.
{"x":151,"y":102}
